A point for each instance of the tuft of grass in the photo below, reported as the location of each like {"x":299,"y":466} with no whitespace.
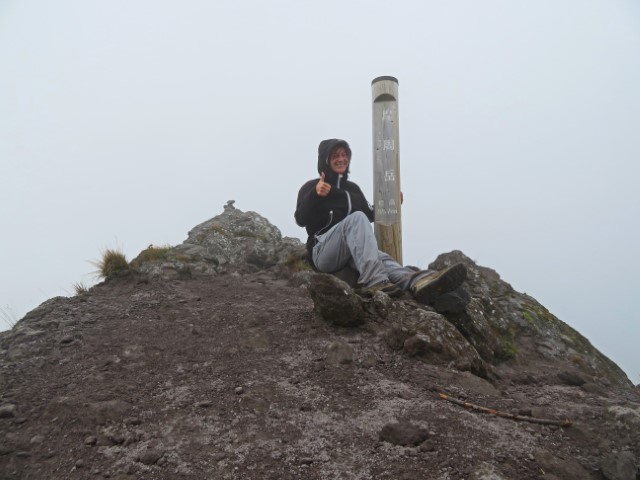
{"x":507,"y":351}
{"x":250,"y":234}
{"x":528,"y":317}
{"x":151,"y":254}
{"x":113,"y":262}
{"x":80,"y":288}
{"x":296,"y":263}
{"x":8,"y":316}
{"x":216,"y":227}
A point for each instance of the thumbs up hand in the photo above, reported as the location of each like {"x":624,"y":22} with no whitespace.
{"x":322,"y":187}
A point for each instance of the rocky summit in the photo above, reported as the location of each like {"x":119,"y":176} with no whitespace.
{"x":227,"y":357}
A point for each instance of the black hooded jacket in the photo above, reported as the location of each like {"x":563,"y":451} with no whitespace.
{"x":318,"y":214}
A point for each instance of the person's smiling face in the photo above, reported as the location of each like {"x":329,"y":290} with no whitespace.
{"x":339,"y":161}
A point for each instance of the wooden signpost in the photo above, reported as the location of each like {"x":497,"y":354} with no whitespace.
{"x":386,"y":166}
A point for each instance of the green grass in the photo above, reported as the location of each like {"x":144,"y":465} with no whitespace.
{"x":508,"y":351}
{"x":528,"y":317}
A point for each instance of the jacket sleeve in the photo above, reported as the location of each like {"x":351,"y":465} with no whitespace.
{"x":307,"y":200}
{"x":363,"y":205}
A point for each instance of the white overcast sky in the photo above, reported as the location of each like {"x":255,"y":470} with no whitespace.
{"x":126,"y":123}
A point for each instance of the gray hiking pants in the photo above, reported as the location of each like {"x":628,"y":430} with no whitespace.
{"x":352,"y":242}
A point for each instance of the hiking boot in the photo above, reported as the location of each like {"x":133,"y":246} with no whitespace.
{"x":387,"y":287}
{"x":427,"y":289}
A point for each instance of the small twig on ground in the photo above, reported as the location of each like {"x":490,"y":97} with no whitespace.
{"x":522,"y":418}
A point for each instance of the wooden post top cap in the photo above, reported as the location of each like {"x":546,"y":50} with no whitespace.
{"x":386,"y":77}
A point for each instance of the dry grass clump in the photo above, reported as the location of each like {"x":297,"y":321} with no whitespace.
{"x":7,"y":315}
{"x":151,"y":254}
{"x":113,"y":262}
{"x":80,"y":288}
{"x":297,"y":263}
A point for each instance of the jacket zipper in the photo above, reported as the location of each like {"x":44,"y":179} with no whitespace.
{"x":348,"y":196}
{"x":319,"y":232}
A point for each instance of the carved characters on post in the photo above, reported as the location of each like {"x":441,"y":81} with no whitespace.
{"x":386,"y":166}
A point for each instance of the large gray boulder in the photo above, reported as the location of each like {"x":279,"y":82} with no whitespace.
{"x":234,"y":241}
{"x":335,"y":301}
{"x":514,"y":330}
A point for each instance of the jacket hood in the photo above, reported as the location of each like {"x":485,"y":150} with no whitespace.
{"x":324,"y":149}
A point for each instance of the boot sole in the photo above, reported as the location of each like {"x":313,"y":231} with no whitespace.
{"x":397,"y":293}
{"x":393,"y":293}
{"x":448,"y":281}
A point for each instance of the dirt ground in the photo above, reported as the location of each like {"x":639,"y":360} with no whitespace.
{"x":236,"y":377}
